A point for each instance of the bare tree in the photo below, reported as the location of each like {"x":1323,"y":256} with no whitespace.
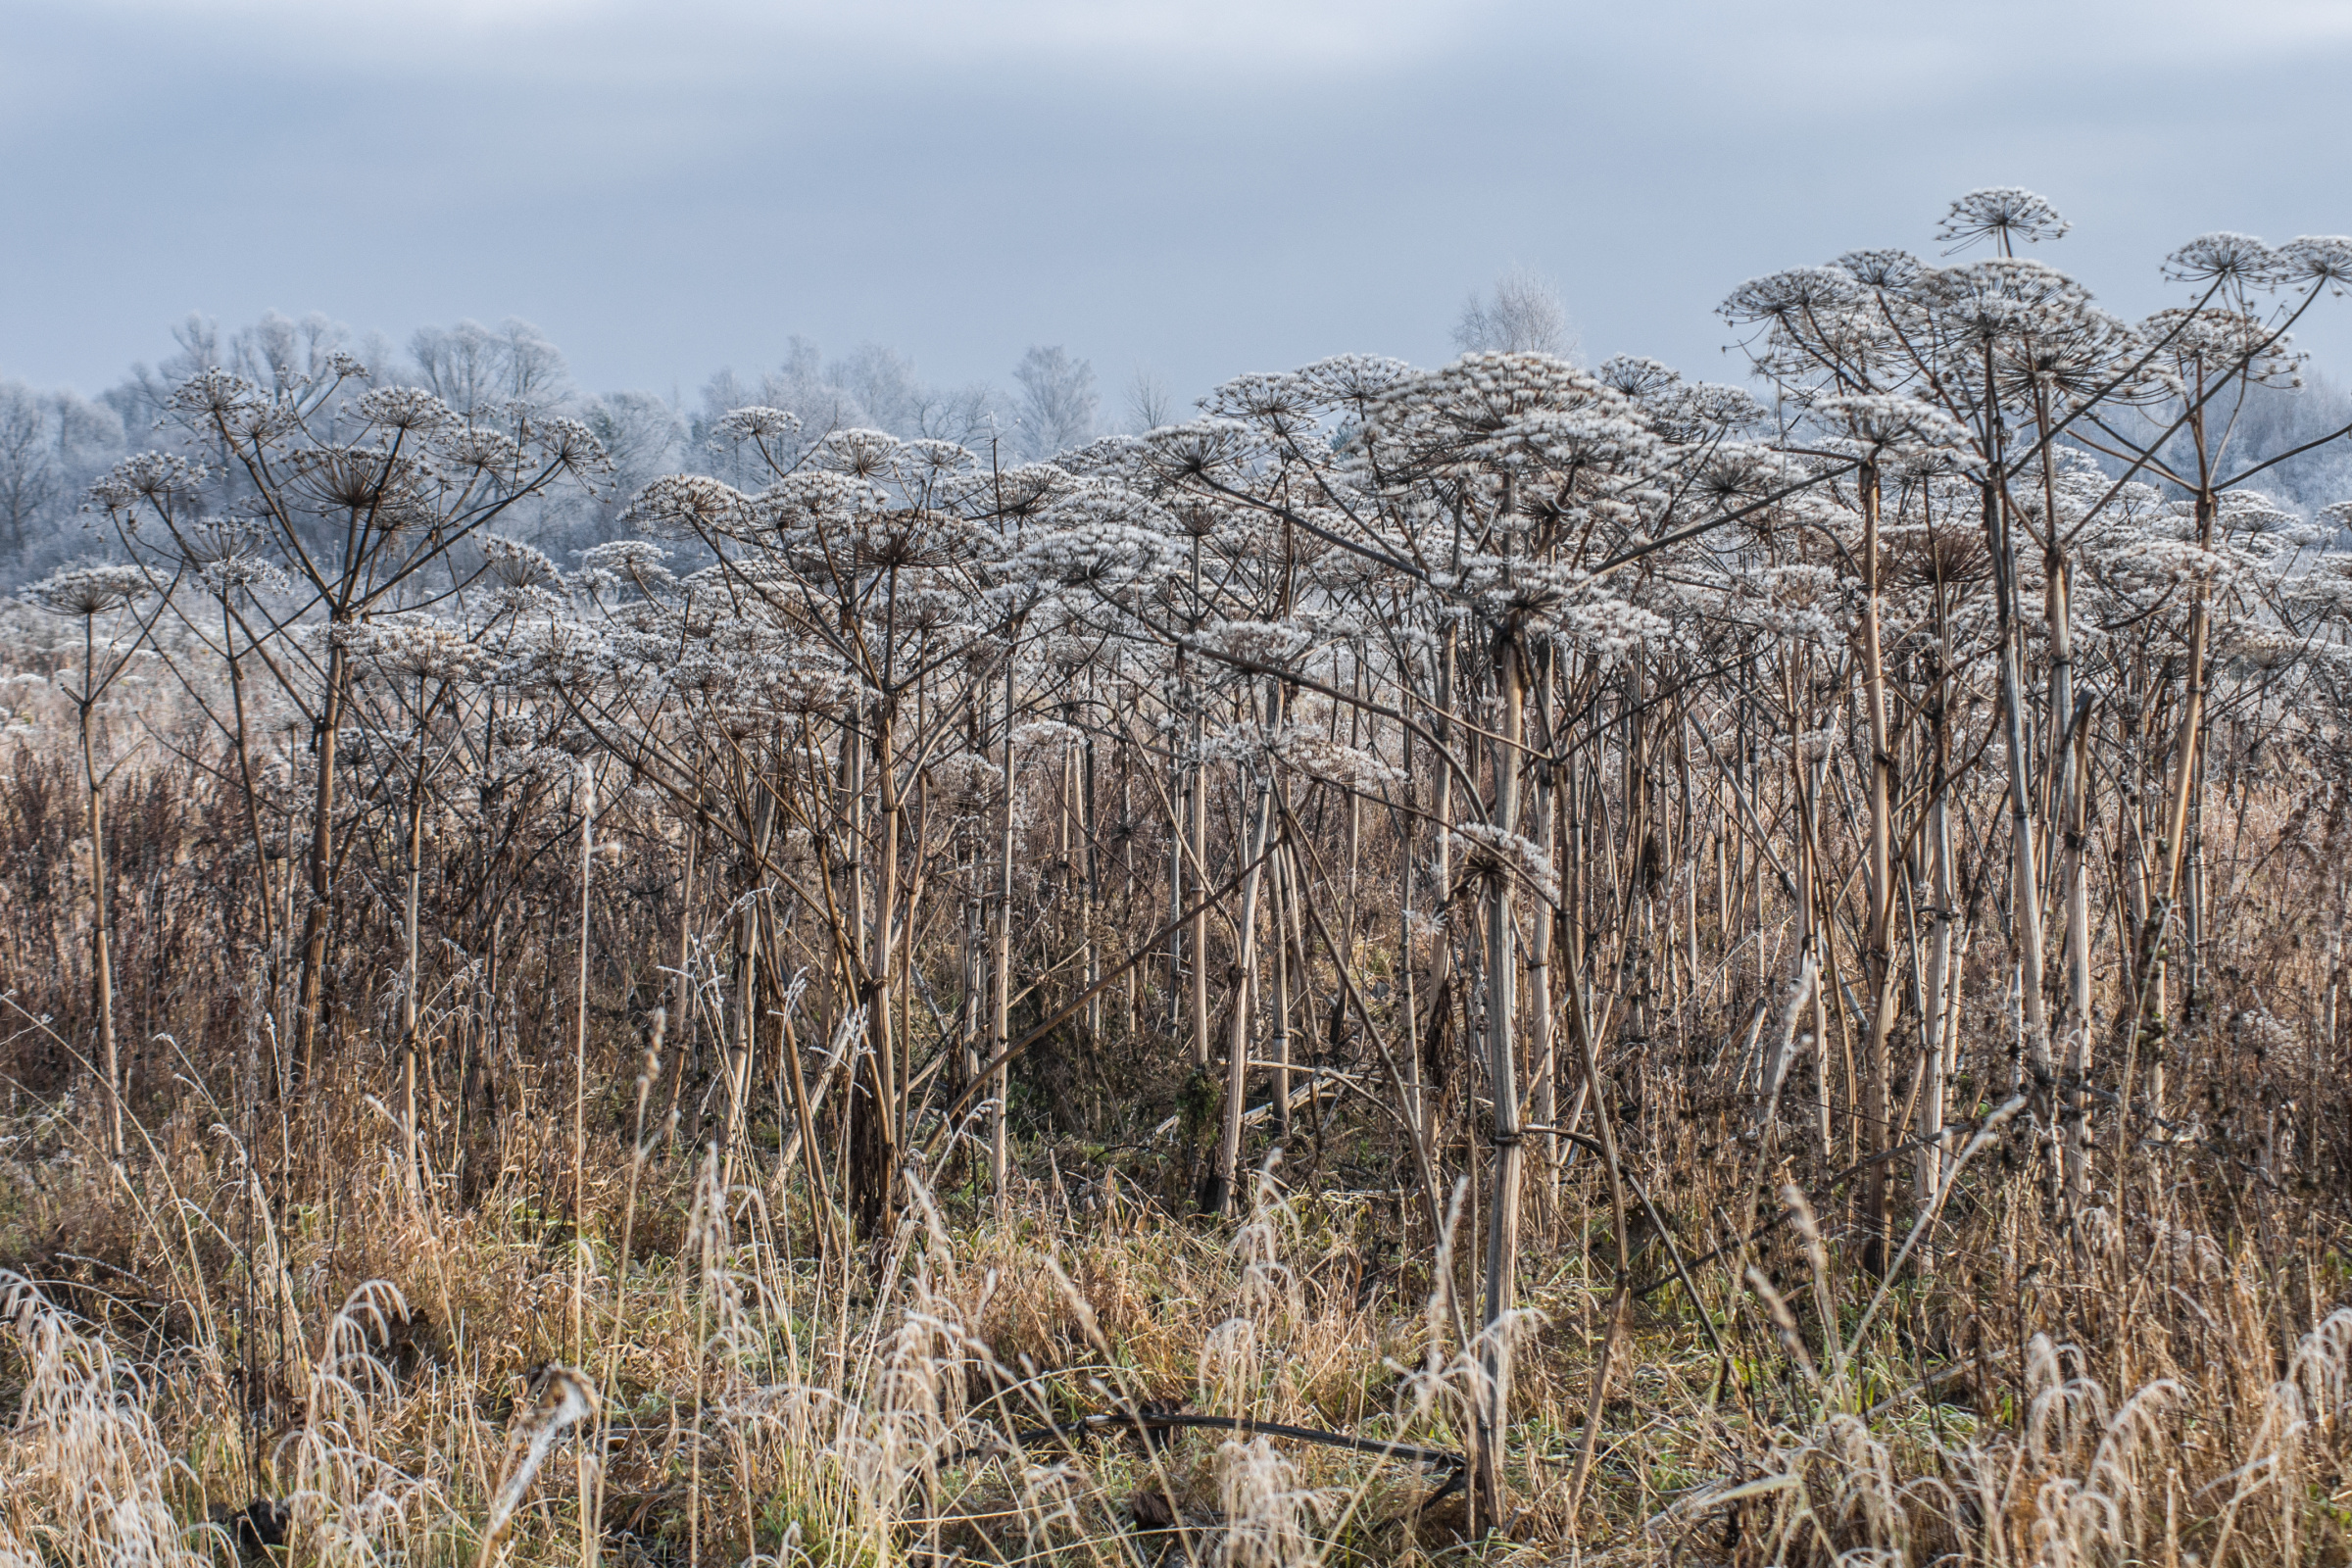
{"x":1522,"y":316}
{"x":644,"y":436}
{"x":30,"y":480}
{"x":1148,"y":405}
{"x":1056,"y":403}
{"x":51,"y":445}
{"x":474,"y":368}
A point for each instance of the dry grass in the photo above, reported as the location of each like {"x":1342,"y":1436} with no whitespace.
{"x":207,"y":1333}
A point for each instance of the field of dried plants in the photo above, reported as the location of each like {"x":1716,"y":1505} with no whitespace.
{"x":1512,"y":964}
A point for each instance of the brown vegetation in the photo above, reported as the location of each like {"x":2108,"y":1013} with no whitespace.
{"x":1643,"y":980}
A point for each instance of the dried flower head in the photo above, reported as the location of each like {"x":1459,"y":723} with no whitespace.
{"x":86,"y":591}
{"x":2004,"y":213}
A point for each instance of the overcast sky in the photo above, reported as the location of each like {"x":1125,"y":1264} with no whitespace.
{"x":1200,"y":189}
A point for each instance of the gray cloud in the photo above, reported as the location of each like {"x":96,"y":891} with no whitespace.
{"x":1203,"y":188}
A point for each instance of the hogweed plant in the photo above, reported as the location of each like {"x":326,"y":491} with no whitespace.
{"x":90,"y":595}
{"x":1514,"y":961}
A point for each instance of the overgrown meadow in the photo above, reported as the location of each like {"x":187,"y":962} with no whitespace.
{"x":1509,"y":962}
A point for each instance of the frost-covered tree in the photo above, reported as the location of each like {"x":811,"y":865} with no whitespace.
{"x":1056,"y":405}
{"x":474,"y":368}
{"x":873,"y":388}
{"x":51,"y":444}
{"x":1149,"y":403}
{"x":645,"y":437}
{"x":1521,"y":314}
{"x":2287,"y":433}
{"x":29,"y":479}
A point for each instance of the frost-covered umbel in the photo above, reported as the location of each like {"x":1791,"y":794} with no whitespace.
{"x":83,"y":592}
